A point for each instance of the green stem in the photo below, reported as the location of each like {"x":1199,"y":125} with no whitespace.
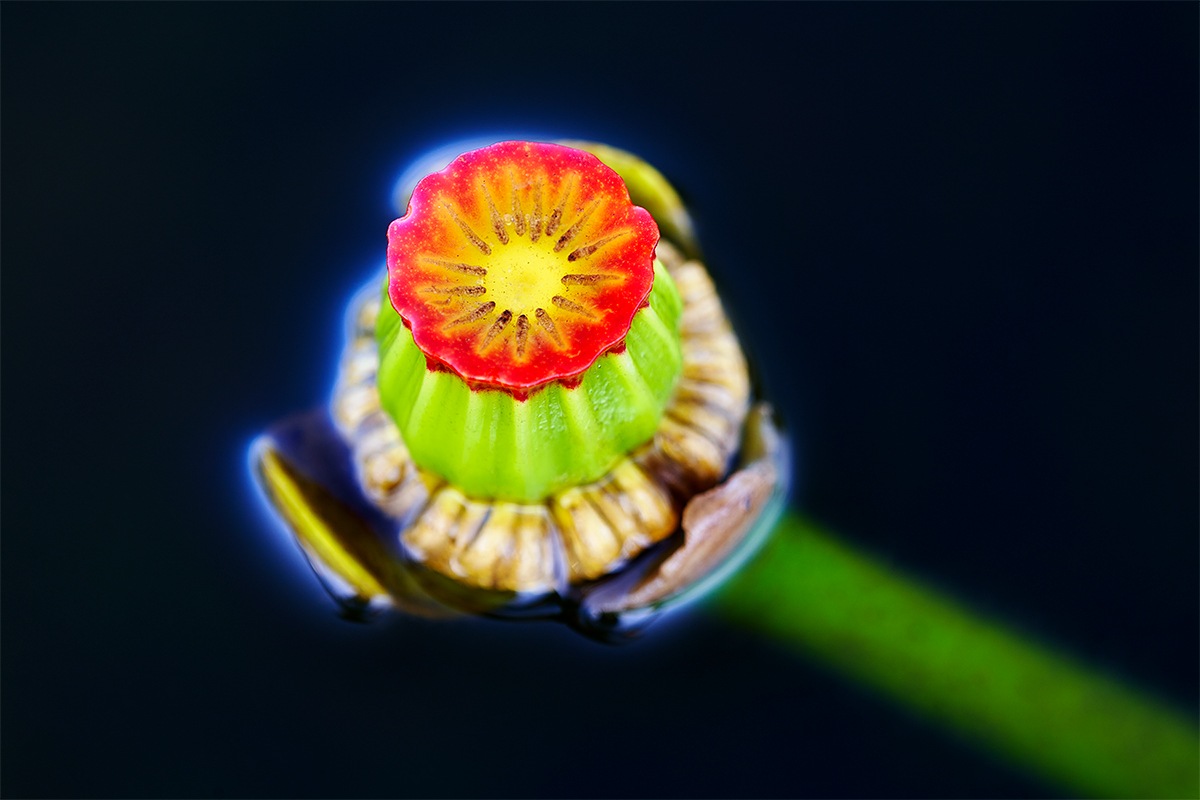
{"x":1044,"y":711}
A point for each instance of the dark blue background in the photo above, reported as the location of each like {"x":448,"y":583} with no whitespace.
{"x":962,"y":240}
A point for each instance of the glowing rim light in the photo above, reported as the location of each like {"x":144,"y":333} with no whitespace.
{"x":815,"y":593}
{"x":438,"y":158}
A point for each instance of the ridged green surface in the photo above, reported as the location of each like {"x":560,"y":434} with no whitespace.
{"x":492,"y":445}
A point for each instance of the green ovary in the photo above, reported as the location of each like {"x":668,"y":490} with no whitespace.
{"x":492,"y":445}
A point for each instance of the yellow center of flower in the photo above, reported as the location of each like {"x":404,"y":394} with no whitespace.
{"x":526,"y":278}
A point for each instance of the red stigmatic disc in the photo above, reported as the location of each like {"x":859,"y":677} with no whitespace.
{"x":519,"y":264}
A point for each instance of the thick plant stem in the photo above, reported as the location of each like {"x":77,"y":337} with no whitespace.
{"x":1046,"y":712}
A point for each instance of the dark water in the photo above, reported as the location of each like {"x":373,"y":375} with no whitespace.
{"x":962,"y":240}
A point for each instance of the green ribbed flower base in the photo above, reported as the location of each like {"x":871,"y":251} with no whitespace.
{"x":490,"y":444}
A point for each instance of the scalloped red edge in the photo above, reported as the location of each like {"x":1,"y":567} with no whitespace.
{"x":519,"y":264}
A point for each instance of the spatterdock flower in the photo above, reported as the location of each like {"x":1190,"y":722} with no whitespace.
{"x":539,"y":408}
{"x":528,"y":344}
